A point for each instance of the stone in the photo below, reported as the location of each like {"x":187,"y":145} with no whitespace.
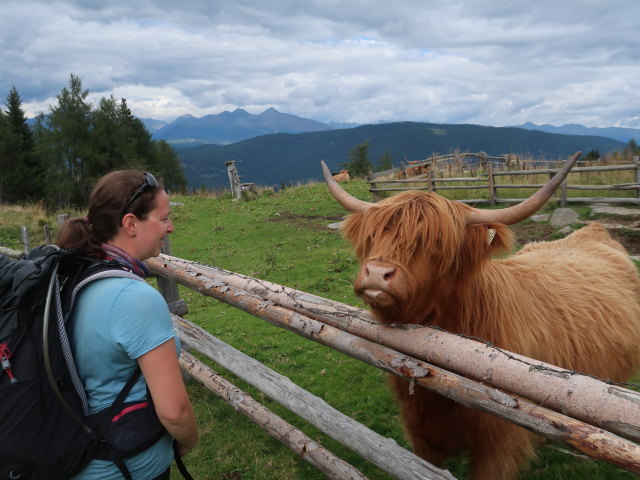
{"x":564,"y":216}
{"x":604,"y":209}
{"x":542,"y":217}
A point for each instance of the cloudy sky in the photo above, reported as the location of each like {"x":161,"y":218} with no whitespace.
{"x":486,"y":62}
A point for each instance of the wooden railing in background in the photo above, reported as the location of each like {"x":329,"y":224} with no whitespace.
{"x":488,"y":182}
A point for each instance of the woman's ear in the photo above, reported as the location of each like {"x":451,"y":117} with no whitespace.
{"x":130,"y":224}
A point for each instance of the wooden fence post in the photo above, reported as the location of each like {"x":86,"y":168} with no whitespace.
{"x":492,"y":187}
{"x":234,"y":179}
{"x":375,"y":195}
{"x":563,"y":193}
{"x":430,"y":182}
{"x":169,"y":288}
{"x":636,"y":160}
{"x":47,"y":235}
{"x":62,"y":218}
{"x":26,"y":241}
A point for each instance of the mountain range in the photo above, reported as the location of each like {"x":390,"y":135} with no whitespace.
{"x":617,"y":133}
{"x":275,"y":148}
{"x":230,"y":127}
{"x":283,"y":158}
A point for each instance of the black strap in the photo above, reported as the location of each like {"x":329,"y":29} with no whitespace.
{"x":121,"y":466}
{"x":179,"y":463}
{"x":116,"y":407}
{"x":119,"y":401}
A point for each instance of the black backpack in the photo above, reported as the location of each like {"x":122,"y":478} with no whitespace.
{"x":46,"y":432}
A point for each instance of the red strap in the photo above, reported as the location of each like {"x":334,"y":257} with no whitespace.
{"x":130,"y":409}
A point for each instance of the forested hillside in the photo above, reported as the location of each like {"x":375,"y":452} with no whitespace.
{"x":57,"y":160}
{"x":284,"y":158}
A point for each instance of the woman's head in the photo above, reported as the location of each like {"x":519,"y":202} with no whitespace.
{"x":116,"y":197}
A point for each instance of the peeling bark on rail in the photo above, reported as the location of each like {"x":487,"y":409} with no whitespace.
{"x":610,"y":407}
{"x":593,"y":441}
{"x":312,"y":452}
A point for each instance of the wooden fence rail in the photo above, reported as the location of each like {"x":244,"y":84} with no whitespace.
{"x":488,"y":180}
{"x":583,"y":412}
{"x":312,"y":452}
{"x":591,"y":440}
{"x":381,"y":451}
{"x":592,"y":400}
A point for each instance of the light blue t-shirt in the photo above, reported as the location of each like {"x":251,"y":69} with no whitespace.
{"x":115,"y":321}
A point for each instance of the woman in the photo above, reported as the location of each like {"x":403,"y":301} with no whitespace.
{"x":120,"y":323}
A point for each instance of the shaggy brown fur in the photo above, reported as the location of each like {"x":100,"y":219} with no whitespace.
{"x":572,"y":302}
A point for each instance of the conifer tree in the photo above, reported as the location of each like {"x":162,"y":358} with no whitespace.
{"x":169,"y":165}
{"x":22,"y":171}
{"x":386,"y":161}
{"x":359,"y":165}
{"x":67,"y":147}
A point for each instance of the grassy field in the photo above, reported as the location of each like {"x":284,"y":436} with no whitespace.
{"x":283,"y":237}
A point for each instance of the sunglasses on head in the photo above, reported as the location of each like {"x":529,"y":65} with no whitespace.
{"x":149,"y":182}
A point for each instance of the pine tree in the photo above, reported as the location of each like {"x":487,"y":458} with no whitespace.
{"x":21,"y":165}
{"x":78,"y":144}
{"x":359,"y":165}
{"x":172,"y":171}
{"x":386,"y":161}
{"x":67,"y":145}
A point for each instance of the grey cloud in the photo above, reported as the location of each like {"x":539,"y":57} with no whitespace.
{"x":468,"y":61}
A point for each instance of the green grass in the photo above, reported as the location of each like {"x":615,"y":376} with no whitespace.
{"x":283,"y":238}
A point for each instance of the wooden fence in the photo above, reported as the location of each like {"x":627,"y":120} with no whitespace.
{"x":594,"y":417}
{"x":489,"y":182}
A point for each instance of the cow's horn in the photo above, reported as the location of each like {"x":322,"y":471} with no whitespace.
{"x":351,"y":203}
{"x":521,"y":211}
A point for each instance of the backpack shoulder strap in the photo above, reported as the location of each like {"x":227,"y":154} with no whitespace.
{"x":96,"y":271}
{"x":85,"y":271}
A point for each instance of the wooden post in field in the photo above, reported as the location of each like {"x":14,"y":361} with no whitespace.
{"x":430,"y":179}
{"x":169,"y":288}
{"x":492,"y":187}
{"x":636,"y":160}
{"x":234,"y":179}
{"x":62,"y":218}
{"x":47,"y":235}
{"x":375,"y":195}
{"x":26,"y":241}
{"x":563,"y":193}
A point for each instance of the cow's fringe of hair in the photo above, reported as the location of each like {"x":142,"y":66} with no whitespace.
{"x":408,"y":222}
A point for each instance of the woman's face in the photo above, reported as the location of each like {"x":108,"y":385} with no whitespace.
{"x":153,"y":229}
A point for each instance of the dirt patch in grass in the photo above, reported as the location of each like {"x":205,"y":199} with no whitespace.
{"x":314,"y":222}
{"x":630,"y":239}
{"x":528,"y":232}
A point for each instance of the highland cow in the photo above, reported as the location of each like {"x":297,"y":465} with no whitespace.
{"x":426,"y":260}
{"x":343,"y":176}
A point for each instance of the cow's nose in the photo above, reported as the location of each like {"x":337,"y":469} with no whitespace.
{"x":379,"y":274}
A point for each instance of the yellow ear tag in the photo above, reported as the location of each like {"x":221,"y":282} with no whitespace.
{"x":492,"y":234}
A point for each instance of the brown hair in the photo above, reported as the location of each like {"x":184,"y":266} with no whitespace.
{"x":105,"y":213}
